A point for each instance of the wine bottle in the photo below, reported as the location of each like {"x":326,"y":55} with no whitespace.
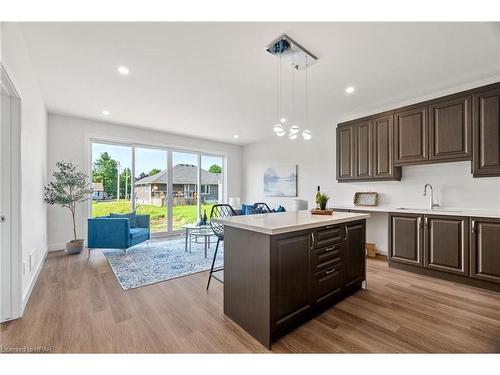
{"x":317,"y":198}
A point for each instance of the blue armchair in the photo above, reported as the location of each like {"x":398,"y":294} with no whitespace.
{"x":115,"y":233}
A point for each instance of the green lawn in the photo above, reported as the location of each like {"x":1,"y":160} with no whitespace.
{"x":182,"y":214}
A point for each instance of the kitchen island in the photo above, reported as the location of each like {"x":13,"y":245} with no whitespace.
{"x":282,"y":268}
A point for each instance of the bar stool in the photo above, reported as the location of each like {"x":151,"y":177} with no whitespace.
{"x":261,"y":208}
{"x":218,"y":211}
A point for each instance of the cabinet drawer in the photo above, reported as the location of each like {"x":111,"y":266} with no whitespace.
{"x":326,"y":257}
{"x":327,"y":283}
{"x":327,"y":236}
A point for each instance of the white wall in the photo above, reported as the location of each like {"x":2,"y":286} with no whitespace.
{"x":453,"y":183}
{"x":68,"y":139}
{"x":18,"y":65}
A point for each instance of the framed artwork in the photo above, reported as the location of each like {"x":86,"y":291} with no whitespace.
{"x":280,"y":181}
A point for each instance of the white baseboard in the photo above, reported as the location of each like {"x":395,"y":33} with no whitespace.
{"x":27,"y":294}
{"x":56,"y":246}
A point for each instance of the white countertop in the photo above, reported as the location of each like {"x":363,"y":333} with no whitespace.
{"x":448,"y":211}
{"x":283,"y":222}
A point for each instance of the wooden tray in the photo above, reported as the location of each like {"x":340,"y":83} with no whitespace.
{"x":328,"y":211}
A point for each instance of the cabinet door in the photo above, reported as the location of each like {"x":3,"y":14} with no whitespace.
{"x":486,"y":135}
{"x":363,"y":154}
{"x":291,"y":276}
{"x":345,"y":152}
{"x":485,"y":249}
{"x":383,"y":146}
{"x":354,"y":254}
{"x":405,"y":238}
{"x":447,"y":244}
{"x":450,"y":130}
{"x":411,"y":136}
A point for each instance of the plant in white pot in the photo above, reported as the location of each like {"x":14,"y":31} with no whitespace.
{"x":69,"y":188}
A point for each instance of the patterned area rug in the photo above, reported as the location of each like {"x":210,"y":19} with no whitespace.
{"x":161,"y":261}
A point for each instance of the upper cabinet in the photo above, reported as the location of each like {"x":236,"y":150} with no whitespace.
{"x":411,"y":135}
{"x":364,"y":150}
{"x":450,"y":130}
{"x":486,"y":160}
{"x":345,"y":152}
{"x":458,"y":127}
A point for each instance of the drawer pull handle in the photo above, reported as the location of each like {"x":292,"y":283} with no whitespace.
{"x":330,"y":271}
{"x":330,"y":248}
{"x":312,"y":240}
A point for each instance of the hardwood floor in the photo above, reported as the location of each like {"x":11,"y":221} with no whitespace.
{"x":79,"y":307}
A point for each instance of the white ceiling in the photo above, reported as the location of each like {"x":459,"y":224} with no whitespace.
{"x":214,"y":80}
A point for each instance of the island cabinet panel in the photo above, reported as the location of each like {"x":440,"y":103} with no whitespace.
{"x":345,"y":152}
{"x":486,"y":134}
{"x":354,"y":254}
{"x":485,"y":249}
{"x":405,"y":239}
{"x":450,"y":130}
{"x":411,"y":131}
{"x":327,"y":284}
{"x":363,"y":150}
{"x":290,"y":262}
{"x":447,"y":244}
{"x":383,"y":155}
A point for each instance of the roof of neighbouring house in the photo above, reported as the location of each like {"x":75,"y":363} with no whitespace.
{"x":182,"y":174}
{"x":97,"y":186}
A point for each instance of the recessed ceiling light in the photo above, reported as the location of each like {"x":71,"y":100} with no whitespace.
{"x":349,"y":89}
{"x":123,"y":70}
{"x":105,"y":112}
{"x":236,"y":136}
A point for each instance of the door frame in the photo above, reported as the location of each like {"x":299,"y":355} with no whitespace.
{"x":11,"y":279}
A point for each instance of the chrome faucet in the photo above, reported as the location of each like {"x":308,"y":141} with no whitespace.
{"x":432,"y":204}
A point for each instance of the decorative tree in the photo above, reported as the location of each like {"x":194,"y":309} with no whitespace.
{"x":69,"y":188}
{"x":214,"y":168}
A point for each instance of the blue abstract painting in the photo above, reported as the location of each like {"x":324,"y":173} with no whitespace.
{"x":280,"y":181}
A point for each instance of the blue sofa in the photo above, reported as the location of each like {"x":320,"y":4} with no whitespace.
{"x":106,"y":232}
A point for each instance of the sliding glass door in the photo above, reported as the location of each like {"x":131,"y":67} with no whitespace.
{"x":174,"y":187}
{"x":151,"y":186}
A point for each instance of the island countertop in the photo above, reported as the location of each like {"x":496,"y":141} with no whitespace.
{"x":284,"y":222}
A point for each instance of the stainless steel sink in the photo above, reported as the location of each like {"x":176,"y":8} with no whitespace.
{"x":428,"y":210}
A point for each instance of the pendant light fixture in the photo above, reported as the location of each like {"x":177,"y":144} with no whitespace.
{"x":296,"y":58}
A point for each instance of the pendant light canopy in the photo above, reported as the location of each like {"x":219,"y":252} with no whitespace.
{"x":291,"y":55}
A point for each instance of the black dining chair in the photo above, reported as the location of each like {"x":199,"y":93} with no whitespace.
{"x":218,"y":211}
{"x":261,"y":208}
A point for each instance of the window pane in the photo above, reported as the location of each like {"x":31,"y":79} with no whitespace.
{"x":111,"y":194}
{"x":184,"y":189}
{"x":211,"y":182}
{"x":151,"y":186}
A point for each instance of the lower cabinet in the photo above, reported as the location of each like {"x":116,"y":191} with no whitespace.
{"x":441,"y":245}
{"x":314,"y":269}
{"x":447,"y":244}
{"x":485,"y":249}
{"x":405,"y":239}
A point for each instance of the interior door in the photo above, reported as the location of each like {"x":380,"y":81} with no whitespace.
{"x":5,"y":208}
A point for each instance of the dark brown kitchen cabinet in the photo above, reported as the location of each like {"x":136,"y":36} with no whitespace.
{"x":292,"y":293}
{"x":363,"y":150}
{"x":406,"y":239}
{"x":383,"y":155}
{"x":485,"y":249}
{"x":446,"y":241}
{"x":345,"y":152}
{"x":355,"y":254}
{"x":450,"y":130}
{"x":486,"y":134}
{"x":411,"y":133}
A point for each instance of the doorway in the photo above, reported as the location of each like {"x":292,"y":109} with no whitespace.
{"x":10,"y":207}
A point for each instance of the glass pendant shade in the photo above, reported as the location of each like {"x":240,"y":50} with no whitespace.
{"x":306,"y":134}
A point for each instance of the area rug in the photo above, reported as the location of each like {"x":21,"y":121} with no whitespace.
{"x":161,"y":261}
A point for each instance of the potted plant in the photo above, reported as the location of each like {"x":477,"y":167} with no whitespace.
{"x":323,"y":200}
{"x":69,"y":188}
